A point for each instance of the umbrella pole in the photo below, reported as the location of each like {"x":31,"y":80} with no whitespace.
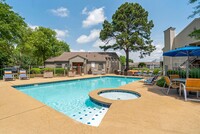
{"x":187,"y":68}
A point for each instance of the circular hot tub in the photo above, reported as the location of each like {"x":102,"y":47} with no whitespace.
{"x":119,"y":94}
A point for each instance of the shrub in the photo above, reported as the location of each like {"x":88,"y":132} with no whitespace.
{"x":160,"y":82}
{"x":1,"y":72}
{"x":194,"y":73}
{"x":35,"y":71}
{"x":156,"y":71}
{"x":47,"y":70}
{"x":60,"y":71}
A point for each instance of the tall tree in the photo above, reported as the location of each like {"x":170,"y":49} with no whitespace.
{"x":131,"y":30}
{"x":41,"y":41}
{"x":11,"y":31}
{"x":196,"y":8}
{"x":43,"y":44}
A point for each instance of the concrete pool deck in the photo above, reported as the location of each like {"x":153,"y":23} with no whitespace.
{"x":152,"y":113}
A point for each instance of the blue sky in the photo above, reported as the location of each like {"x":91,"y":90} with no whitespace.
{"x":78,"y":22}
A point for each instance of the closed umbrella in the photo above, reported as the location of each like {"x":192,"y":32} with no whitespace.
{"x":186,"y":51}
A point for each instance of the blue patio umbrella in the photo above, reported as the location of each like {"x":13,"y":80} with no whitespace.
{"x":186,"y":51}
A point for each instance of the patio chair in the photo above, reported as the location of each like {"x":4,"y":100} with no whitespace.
{"x":23,"y":75}
{"x":103,"y":71}
{"x":151,"y":80}
{"x":192,"y":85}
{"x":174,"y":76}
{"x":170,"y":84}
{"x":95,"y":71}
{"x":71,"y":73}
{"x":8,"y":75}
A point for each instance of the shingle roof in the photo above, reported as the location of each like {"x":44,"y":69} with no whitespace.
{"x":90,"y":56}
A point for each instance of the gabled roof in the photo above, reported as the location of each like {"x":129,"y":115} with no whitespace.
{"x":90,"y":56}
{"x":189,"y":25}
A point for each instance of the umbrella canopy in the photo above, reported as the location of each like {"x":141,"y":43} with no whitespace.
{"x":186,"y":51}
{"x":183,"y":51}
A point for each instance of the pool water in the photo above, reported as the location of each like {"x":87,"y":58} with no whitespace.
{"x":71,"y":97}
{"x":119,"y":95}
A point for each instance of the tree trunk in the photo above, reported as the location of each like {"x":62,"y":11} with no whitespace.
{"x":127,"y":60}
{"x":43,"y":58}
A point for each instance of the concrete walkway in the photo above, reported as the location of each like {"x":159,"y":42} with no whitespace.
{"x":153,"y":113}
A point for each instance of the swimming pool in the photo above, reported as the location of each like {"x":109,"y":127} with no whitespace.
{"x":71,"y":97}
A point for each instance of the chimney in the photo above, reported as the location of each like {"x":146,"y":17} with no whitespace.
{"x":169,"y":36}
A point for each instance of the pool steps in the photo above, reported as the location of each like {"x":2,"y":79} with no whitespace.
{"x":90,"y":116}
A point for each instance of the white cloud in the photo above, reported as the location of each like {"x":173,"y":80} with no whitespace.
{"x":81,"y":50}
{"x":94,"y":34}
{"x":98,"y":43}
{"x":156,"y":55}
{"x":61,"y":34}
{"x":84,"y":11}
{"x":95,"y":17}
{"x":61,"y":12}
{"x":33,"y":26}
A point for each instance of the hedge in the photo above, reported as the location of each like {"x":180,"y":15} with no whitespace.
{"x":41,"y":71}
{"x":193,"y":73}
{"x":35,"y":71}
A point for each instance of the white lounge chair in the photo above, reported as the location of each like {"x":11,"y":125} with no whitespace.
{"x":23,"y":75}
{"x":95,"y":71}
{"x":103,"y":71}
{"x":8,"y":75}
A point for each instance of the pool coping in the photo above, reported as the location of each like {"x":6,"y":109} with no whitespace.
{"x":96,"y":98}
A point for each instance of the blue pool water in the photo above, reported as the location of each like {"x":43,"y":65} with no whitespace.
{"x":71,"y":97}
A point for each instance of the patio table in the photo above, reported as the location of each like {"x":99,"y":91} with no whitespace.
{"x":180,"y":80}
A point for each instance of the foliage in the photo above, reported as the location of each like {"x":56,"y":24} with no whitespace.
{"x":194,"y":73}
{"x":35,"y":71}
{"x":196,"y":32}
{"x":181,"y":73}
{"x":21,"y":45}
{"x":47,"y":70}
{"x":141,"y":65}
{"x":156,"y":71}
{"x":130,"y":60}
{"x":160,"y":82}
{"x":131,"y":29}
{"x":11,"y":31}
{"x":38,"y":45}
{"x":122,"y":60}
{"x":196,"y":9}
{"x":60,"y":71}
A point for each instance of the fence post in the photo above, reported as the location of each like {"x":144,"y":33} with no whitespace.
{"x":64,"y":71}
{"x":29,"y":67}
{"x":54,"y":71}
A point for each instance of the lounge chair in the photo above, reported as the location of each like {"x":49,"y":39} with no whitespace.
{"x":103,"y":71}
{"x":95,"y":71}
{"x":170,"y":84}
{"x":23,"y":75}
{"x":71,"y":73}
{"x":151,"y":80}
{"x":8,"y":75}
{"x":191,"y":84}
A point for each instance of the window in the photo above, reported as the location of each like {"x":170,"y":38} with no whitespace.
{"x":100,"y":66}
{"x":58,"y":65}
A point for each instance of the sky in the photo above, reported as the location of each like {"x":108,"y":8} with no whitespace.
{"x":79,"y":22}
